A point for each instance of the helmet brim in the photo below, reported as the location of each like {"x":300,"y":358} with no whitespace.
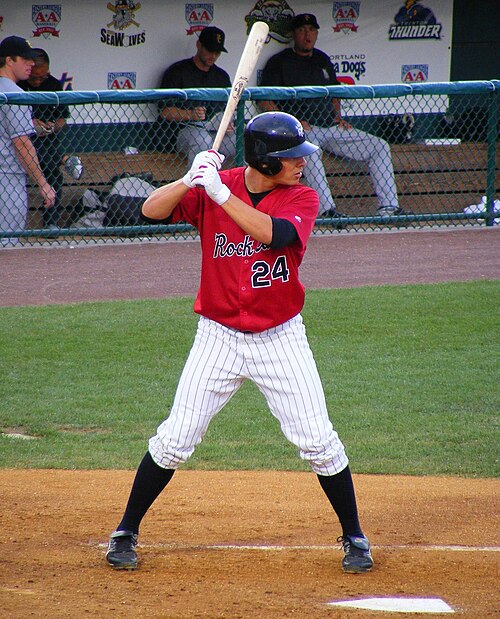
{"x":301,"y":150}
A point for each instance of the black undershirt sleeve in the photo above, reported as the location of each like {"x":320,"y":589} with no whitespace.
{"x":148,"y":220}
{"x":284,"y":233}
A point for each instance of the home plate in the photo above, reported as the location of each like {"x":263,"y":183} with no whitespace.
{"x":398,"y":605}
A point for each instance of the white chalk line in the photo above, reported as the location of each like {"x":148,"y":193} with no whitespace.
{"x":280,"y":548}
{"x":374,"y":546}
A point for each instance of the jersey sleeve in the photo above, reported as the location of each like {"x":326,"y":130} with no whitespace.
{"x":18,"y":121}
{"x":224,"y":78}
{"x":60,"y":110}
{"x":301,"y":212}
{"x":326,"y":64}
{"x":189,"y":207}
{"x":298,"y":205}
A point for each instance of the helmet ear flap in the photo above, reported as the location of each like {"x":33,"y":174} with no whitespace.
{"x":269,"y":165}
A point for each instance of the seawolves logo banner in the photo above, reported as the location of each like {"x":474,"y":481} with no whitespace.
{"x":124,"y":16}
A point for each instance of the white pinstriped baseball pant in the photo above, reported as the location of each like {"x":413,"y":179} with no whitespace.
{"x":280,"y":362}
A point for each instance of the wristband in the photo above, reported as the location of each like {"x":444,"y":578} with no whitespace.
{"x":220,"y":195}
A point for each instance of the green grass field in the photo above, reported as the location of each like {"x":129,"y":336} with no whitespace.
{"x":410,"y":375}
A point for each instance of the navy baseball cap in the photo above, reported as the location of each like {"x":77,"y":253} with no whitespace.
{"x":16,"y":46}
{"x":213,"y":38}
{"x":304,"y":19}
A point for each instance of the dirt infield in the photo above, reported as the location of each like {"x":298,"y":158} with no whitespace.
{"x":433,"y":537}
{"x":243,"y":545}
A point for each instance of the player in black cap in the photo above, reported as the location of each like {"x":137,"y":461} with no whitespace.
{"x":213,"y":38}
{"x":190,"y":126}
{"x":305,"y":65}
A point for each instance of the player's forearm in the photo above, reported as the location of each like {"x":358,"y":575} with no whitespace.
{"x":26,"y":154}
{"x":255,"y":223}
{"x":163,"y":200}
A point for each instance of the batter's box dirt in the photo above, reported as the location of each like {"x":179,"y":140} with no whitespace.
{"x":243,"y":545}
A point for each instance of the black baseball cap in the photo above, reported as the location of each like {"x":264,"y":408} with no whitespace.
{"x":16,"y":46}
{"x":304,"y":19}
{"x":213,"y":38}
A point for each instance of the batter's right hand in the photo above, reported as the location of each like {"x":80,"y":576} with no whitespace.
{"x":208,"y":157}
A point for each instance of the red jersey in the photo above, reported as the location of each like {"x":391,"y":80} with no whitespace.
{"x":246,"y":285}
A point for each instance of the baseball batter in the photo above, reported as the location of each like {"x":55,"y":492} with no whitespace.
{"x":254,"y":223}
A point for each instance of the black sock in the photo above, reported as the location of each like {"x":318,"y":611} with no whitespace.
{"x":340,"y":492}
{"x":149,"y":481}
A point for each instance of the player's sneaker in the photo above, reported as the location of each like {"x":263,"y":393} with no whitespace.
{"x":121,"y":552}
{"x":391,"y":211}
{"x":357,"y":555}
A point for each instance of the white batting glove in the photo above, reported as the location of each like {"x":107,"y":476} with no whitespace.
{"x":217,"y":190}
{"x":210,"y":158}
{"x":208,"y":177}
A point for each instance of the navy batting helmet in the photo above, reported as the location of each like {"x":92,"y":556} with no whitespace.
{"x":271,"y":135}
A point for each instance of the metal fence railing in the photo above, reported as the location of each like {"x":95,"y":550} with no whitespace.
{"x":431,"y":150}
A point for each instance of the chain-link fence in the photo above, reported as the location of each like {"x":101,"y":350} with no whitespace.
{"x":405,"y":156}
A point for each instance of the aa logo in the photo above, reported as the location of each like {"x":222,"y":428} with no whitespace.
{"x":345,"y":15}
{"x":198,"y":16}
{"x":413,"y":73}
{"x":122,"y":80}
{"x":46,"y":18}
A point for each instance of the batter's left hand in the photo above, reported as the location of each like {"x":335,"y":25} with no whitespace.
{"x":208,"y":177}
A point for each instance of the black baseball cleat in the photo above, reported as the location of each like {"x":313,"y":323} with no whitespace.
{"x":357,"y":556}
{"x":121,"y":552}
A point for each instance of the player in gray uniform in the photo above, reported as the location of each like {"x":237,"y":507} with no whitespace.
{"x":254,"y":223}
{"x":50,"y":122}
{"x":304,"y":65}
{"x":17,"y":154}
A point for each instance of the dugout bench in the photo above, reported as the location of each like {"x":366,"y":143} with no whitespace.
{"x":431,"y":179}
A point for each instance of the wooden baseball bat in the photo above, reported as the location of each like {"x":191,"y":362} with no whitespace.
{"x":248,"y":60}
